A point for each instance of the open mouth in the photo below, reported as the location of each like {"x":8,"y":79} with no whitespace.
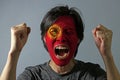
{"x":61,"y":51}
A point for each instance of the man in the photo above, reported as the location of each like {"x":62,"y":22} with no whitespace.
{"x":62,"y":31}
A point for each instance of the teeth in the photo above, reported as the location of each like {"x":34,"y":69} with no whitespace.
{"x":61,"y":47}
{"x":61,"y":52}
{"x":62,"y":57}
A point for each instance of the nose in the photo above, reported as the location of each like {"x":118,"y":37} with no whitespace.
{"x":62,"y":38}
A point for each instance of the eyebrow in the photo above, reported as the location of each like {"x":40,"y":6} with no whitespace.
{"x":69,"y":28}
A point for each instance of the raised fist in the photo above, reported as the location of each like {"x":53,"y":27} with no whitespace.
{"x":19,"y":36}
{"x":103,"y":39}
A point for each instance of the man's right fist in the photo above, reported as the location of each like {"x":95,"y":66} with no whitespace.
{"x":19,"y":36}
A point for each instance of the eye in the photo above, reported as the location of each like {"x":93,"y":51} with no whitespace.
{"x":69,"y":31}
{"x":54,"y":31}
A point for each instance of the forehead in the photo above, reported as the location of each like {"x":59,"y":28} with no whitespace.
{"x":65,"y":22}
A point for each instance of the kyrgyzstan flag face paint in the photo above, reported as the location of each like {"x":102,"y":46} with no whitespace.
{"x":62,"y":40}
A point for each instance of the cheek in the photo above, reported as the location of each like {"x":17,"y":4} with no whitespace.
{"x":73,"y":43}
{"x":73,"y":39}
{"x":49,"y":42}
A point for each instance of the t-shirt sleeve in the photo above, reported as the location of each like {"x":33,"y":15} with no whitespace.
{"x":26,"y":75}
{"x":101,"y":74}
{"x":96,"y":71}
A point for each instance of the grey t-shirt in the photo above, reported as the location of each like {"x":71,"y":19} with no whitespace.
{"x":81,"y":71}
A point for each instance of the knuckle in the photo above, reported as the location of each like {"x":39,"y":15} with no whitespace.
{"x":13,"y":28}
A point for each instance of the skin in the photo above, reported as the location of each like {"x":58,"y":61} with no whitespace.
{"x":103,"y":40}
{"x":63,"y":34}
{"x":19,"y":36}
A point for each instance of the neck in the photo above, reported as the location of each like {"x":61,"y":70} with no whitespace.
{"x":62,"y":69}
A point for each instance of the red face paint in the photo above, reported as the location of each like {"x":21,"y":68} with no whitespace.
{"x":61,"y":40}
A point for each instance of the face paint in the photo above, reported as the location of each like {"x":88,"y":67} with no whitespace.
{"x":61,"y":40}
{"x":54,"y":31}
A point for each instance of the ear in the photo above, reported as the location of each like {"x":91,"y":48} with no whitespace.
{"x":78,"y":41}
{"x":44,"y":39}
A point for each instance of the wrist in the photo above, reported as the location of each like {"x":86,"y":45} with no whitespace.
{"x":108,"y":58}
{"x":13,"y":55}
{"x":106,"y":53}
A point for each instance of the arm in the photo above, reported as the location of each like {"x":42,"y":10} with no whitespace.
{"x":103,"y":40}
{"x":19,"y":36}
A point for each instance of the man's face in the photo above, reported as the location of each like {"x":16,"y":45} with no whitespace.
{"x":61,"y":40}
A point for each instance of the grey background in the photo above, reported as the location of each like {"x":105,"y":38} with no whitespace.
{"x":13,"y":12}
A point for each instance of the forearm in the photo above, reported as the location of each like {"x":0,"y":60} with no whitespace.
{"x":9,"y":71}
{"x":112,"y":71}
{"x":19,"y":36}
{"x":103,"y":40}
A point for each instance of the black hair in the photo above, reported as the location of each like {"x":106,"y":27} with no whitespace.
{"x":58,"y":11}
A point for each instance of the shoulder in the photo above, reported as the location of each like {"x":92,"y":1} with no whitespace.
{"x":31,"y":72}
{"x":90,"y":68}
{"x":36,"y":67}
{"x":87,"y":65}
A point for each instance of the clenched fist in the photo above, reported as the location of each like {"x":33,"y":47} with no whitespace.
{"x":19,"y":36}
{"x":103,"y":39}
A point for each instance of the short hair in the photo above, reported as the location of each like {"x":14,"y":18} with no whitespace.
{"x":58,"y":11}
